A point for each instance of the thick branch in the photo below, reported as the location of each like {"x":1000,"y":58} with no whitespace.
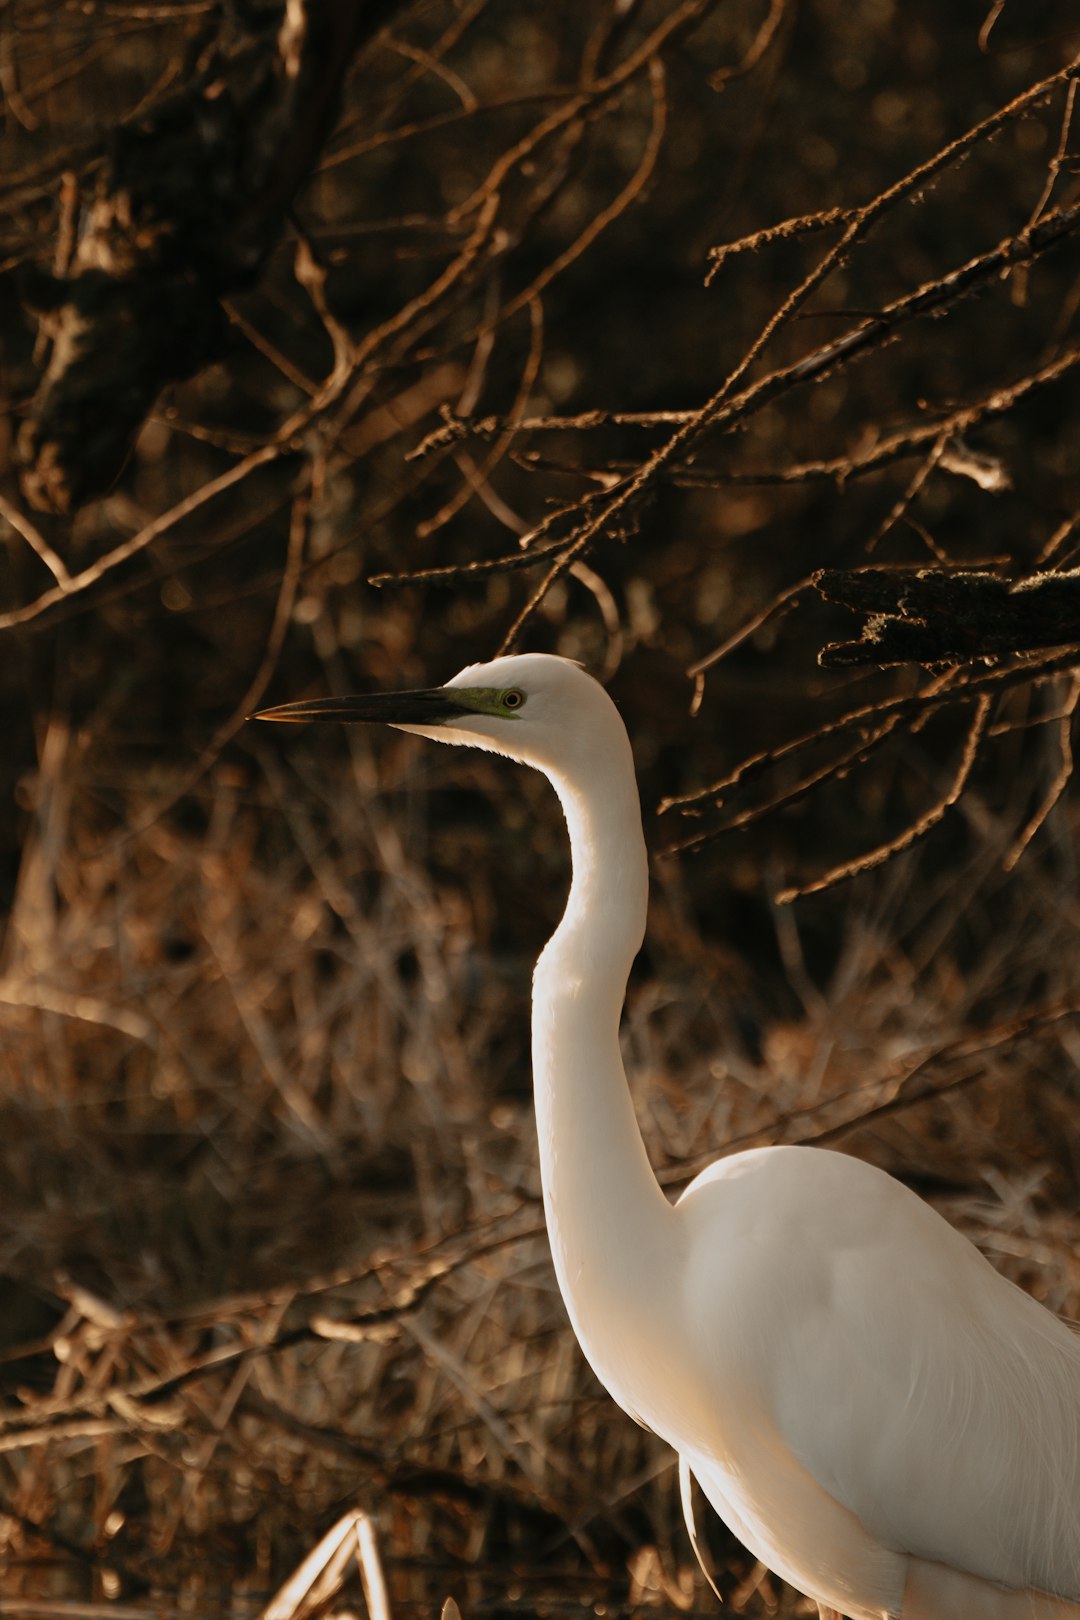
{"x":929,"y":617}
{"x":186,"y":209}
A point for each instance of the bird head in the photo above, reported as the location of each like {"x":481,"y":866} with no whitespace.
{"x":533,"y":707}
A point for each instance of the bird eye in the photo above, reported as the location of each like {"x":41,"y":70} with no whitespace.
{"x":513,"y":699}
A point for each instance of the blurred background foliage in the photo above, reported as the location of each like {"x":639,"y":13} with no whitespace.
{"x":263,"y":1000}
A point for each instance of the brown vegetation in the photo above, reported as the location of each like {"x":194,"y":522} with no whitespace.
{"x":340,"y":352}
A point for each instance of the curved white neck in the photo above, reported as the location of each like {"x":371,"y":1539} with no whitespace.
{"x":608,"y":1221}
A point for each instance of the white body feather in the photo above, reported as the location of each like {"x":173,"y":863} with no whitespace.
{"x":877,"y":1414}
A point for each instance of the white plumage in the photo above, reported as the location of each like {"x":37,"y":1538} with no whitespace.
{"x":878,"y":1415}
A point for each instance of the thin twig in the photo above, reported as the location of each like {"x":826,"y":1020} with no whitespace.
{"x":799,"y":225}
{"x":627,"y":195}
{"x":944,"y":690}
{"x":473,"y":480}
{"x":290,"y":579}
{"x":1060,"y":782}
{"x":598,"y":92}
{"x":18,"y":520}
{"x":904,"y":500}
{"x":915,"y":830}
{"x":759,"y":46}
{"x":75,"y":584}
{"x":857,"y":754}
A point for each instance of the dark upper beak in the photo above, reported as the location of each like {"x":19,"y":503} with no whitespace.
{"x":388,"y":708}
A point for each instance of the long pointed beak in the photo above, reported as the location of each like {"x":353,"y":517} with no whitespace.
{"x":430,"y":708}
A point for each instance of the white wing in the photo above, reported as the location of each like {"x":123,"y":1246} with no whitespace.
{"x":873,"y":1349}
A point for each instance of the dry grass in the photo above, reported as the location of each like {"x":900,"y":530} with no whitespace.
{"x":271,"y":1213}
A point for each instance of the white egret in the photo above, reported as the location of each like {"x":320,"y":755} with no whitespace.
{"x":879,"y":1416}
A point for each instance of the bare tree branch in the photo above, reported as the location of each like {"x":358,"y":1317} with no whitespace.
{"x":158,"y":247}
